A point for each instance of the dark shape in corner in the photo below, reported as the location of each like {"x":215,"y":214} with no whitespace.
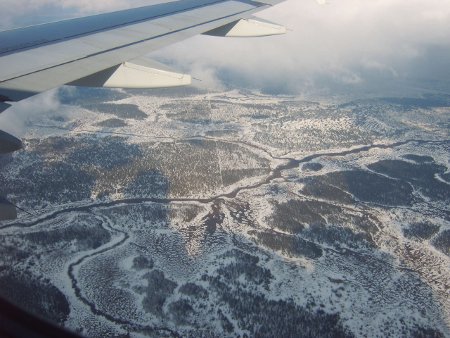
{"x":7,"y":210}
{"x":17,"y":323}
{"x":9,"y":143}
{"x":3,"y":106}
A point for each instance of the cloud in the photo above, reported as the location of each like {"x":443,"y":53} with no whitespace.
{"x":353,"y":43}
{"x":346,"y":45}
{"x":15,"y":119}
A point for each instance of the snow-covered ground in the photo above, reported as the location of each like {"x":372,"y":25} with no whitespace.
{"x":232,"y":214}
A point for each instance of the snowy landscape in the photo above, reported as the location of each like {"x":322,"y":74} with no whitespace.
{"x":188,"y":213}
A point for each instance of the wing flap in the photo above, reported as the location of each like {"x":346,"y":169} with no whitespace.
{"x":140,"y":73}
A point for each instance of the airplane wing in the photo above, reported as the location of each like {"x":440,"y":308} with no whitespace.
{"x":39,"y":58}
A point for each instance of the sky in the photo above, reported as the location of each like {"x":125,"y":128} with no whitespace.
{"x":358,"y":47}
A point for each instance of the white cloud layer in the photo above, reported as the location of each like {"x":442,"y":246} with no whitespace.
{"x":349,"y":44}
{"x":15,"y":119}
